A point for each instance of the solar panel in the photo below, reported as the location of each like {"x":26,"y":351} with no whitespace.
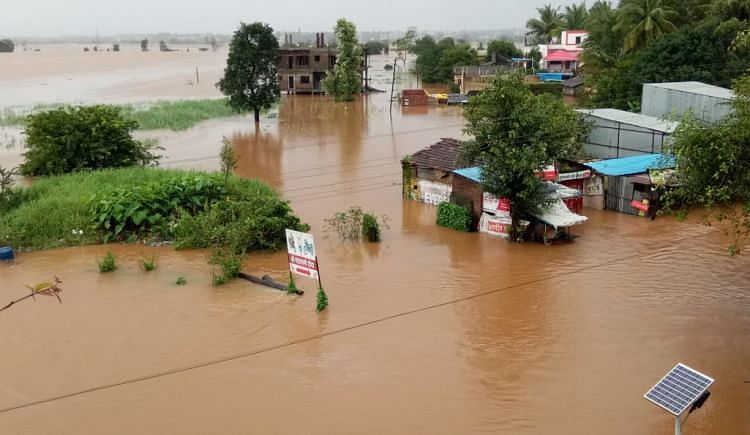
{"x":679,"y":389}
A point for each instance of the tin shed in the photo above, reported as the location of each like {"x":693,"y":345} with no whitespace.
{"x":665,"y":100}
{"x":617,"y":133}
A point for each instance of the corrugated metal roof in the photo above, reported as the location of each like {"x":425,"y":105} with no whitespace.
{"x":442,"y":155}
{"x":632,"y":165}
{"x":696,"y":88}
{"x":473,"y":174}
{"x":631,"y":118}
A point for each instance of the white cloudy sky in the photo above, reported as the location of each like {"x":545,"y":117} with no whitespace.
{"x":86,"y":17}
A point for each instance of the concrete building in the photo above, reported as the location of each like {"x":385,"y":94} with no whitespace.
{"x":617,"y":133}
{"x":672,"y":100}
{"x":564,"y":55}
{"x":428,"y":173}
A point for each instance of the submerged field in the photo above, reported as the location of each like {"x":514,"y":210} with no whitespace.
{"x":169,"y":115}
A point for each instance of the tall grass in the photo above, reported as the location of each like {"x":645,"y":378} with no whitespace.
{"x":170,"y":115}
{"x":54,"y":211}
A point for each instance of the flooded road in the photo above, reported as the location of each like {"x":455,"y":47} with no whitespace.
{"x":431,"y":331}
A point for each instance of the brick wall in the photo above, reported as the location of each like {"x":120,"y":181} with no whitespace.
{"x":467,"y":191}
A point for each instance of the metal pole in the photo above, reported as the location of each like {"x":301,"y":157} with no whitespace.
{"x":320,"y":283}
{"x":677,"y":426}
{"x":197,"y":77}
{"x":393,"y":82}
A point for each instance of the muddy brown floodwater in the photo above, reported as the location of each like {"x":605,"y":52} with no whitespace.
{"x":431,"y":331}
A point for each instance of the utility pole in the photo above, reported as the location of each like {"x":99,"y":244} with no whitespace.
{"x":393,"y":82}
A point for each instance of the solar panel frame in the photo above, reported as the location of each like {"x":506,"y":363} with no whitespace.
{"x":679,"y":389}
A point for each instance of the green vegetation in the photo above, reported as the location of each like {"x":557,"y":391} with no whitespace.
{"x":176,"y":115}
{"x":171,"y":115}
{"x":7,"y":46}
{"x":353,"y":224}
{"x":712,"y":162}
{"x":250,"y":80}
{"x":377,"y":47}
{"x":144,"y":45}
{"x":502,"y":47}
{"x":7,"y":180}
{"x":181,"y":280}
{"x":321,"y":300}
{"x":435,"y":60}
{"x":651,"y":41}
{"x":148,"y":264}
{"x":107,"y":263}
{"x":515,"y":135}
{"x":454,"y":216}
{"x":228,"y":158}
{"x":60,"y":210}
{"x":70,"y":139}
{"x":575,"y":16}
{"x":405,"y":45}
{"x":346,"y":79}
{"x":228,"y":263}
{"x":291,"y":288}
{"x":549,"y":24}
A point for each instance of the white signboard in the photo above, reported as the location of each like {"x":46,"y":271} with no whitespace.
{"x":594,"y":186}
{"x":301,"y":250}
{"x":499,"y":206}
{"x":434,"y":193}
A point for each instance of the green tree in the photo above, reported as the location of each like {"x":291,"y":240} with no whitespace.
{"x":502,"y":47}
{"x":346,"y":78}
{"x":70,"y":139}
{"x":7,"y":46}
{"x":549,"y":24}
{"x":536,"y":57}
{"x":575,"y":16}
{"x":604,"y":45}
{"x":515,"y":134}
{"x":405,"y":44}
{"x":712,"y":162}
{"x":644,"y":21}
{"x":435,"y":60}
{"x":250,"y":79}
{"x":144,"y":45}
{"x":377,"y":47}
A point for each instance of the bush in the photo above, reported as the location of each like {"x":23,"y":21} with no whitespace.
{"x":353,"y":223}
{"x":229,"y":264}
{"x":151,"y":207}
{"x":7,"y":46}
{"x":454,"y":216}
{"x":255,"y":220}
{"x":148,"y":263}
{"x":181,"y":280}
{"x":107,"y":263}
{"x":69,"y":139}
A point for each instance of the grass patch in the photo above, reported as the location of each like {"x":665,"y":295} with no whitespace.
{"x":107,"y":263}
{"x":181,"y":280}
{"x":170,"y":115}
{"x":148,"y":263}
{"x":59,"y":211}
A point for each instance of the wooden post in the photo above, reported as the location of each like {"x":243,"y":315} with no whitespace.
{"x":393,"y":82}
{"x":317,"y":264}
{"x":197,"y":77}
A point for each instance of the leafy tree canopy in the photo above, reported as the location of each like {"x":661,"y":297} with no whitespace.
{"x":435,"y":60}
{"x":515,"y":134}
{"x":250,"y":80}
{"x":502,"y":47}
{"x":346,"y":78}
{"x":7,"y":46}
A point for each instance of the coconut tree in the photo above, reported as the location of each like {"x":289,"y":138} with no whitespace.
{"x":549,"y":24}
{"x":642,"y":21}
{"x":603,"y":47}
{"x":575,"y":16}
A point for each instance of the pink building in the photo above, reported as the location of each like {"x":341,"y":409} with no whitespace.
{"x":564,"y":55}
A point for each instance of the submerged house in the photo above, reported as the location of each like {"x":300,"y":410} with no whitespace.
{"x":492,"y":215}
{"x":428,"y":173}
{"x":631,"y":185}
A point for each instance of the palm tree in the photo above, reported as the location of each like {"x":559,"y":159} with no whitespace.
{"x":549,"y":25}
{"x":603,"y":47}
{"x":642,"y":21}
{"x":575,"y":16}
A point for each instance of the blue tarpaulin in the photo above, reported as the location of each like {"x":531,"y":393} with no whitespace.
{"x":632,"y":165}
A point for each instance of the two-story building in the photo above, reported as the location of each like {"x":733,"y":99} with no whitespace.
{"x":564,"y":55}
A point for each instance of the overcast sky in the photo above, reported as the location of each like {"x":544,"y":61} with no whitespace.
{"x":109,"y":17}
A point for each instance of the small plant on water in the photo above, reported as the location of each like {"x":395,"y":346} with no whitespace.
{"x":148,"y":263}
{"x":354,"y":223}
{"x":107,"y":263}
{"x":181,"y":280}
{"x":322,"y":300}
{"x":291,"y":288}
{"x":229,"y":264}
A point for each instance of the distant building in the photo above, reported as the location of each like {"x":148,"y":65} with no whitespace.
{"x":302,"y":70}
{"x":666,"y":100}
{"x":564,"y":56}
{"x":475,"y":78}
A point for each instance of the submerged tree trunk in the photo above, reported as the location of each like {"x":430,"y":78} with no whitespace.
{"x":257,"y":115}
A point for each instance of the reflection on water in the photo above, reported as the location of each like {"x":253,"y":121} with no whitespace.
{"x":431,"y":331}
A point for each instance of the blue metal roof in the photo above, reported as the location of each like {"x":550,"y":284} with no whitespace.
{"x":473,"y":174}
{"x":632,"y":165}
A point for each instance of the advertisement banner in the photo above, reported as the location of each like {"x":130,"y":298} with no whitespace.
{"x":434,"y":193}
{"x":493,"y":204}
{"x":301,"y":251}
{"x":497,"y":226}
{"x":567,"y":176}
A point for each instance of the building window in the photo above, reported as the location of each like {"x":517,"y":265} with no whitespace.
{"x":304,"y":80}
{"x":578,"y":40}
{"x":303,"y":60}
{"x":333,"y":60}
{"x":317,"y":58}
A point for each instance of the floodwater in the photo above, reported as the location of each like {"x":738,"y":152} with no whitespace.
{"x":431,"y":331}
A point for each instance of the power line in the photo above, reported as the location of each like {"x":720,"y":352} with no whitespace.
{"x":323,"y":335}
